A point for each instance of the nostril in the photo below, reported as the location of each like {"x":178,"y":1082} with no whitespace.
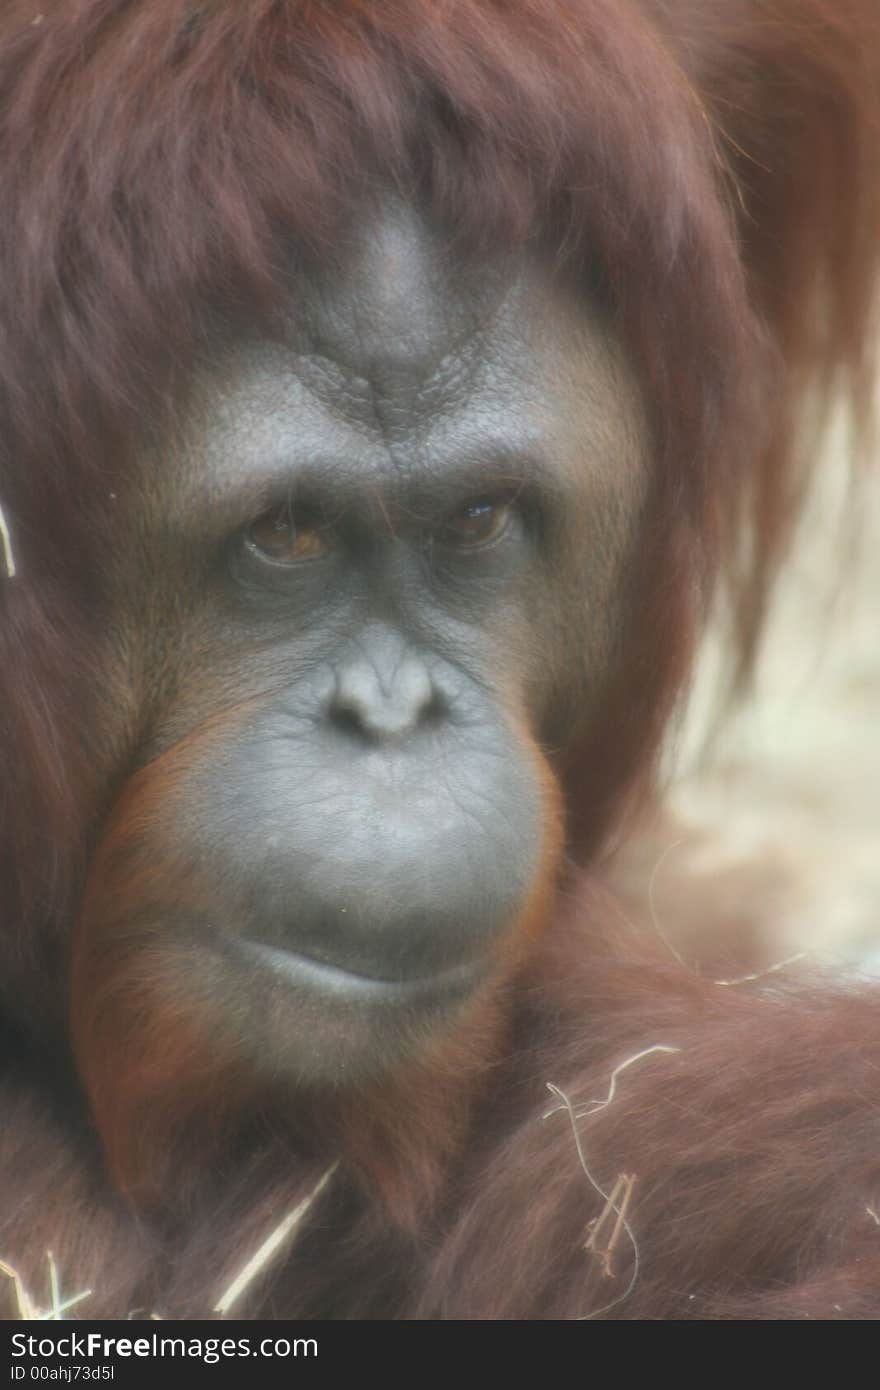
{"x":436,"y":710}
{"x":346,"y":719}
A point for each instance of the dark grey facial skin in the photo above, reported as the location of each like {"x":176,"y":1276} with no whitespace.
{"x":389,"y":547}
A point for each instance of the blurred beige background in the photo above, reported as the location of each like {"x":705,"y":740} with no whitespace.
{"x":769,"y":844}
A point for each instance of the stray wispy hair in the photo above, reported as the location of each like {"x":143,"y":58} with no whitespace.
{"x":6,"y":547}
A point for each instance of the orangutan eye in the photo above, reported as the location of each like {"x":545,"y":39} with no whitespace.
{"x":478,"y":523}
{"x":277,"y":537}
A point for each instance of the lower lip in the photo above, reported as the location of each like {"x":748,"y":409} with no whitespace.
{"x":335,"y":979}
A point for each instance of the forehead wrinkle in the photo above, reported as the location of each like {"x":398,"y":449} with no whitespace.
{"x":390,"y":408}
{"x":389,"y":383}
{"x":395,"y":322}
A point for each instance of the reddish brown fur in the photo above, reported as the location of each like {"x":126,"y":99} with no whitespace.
{"x":717,"y":160}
